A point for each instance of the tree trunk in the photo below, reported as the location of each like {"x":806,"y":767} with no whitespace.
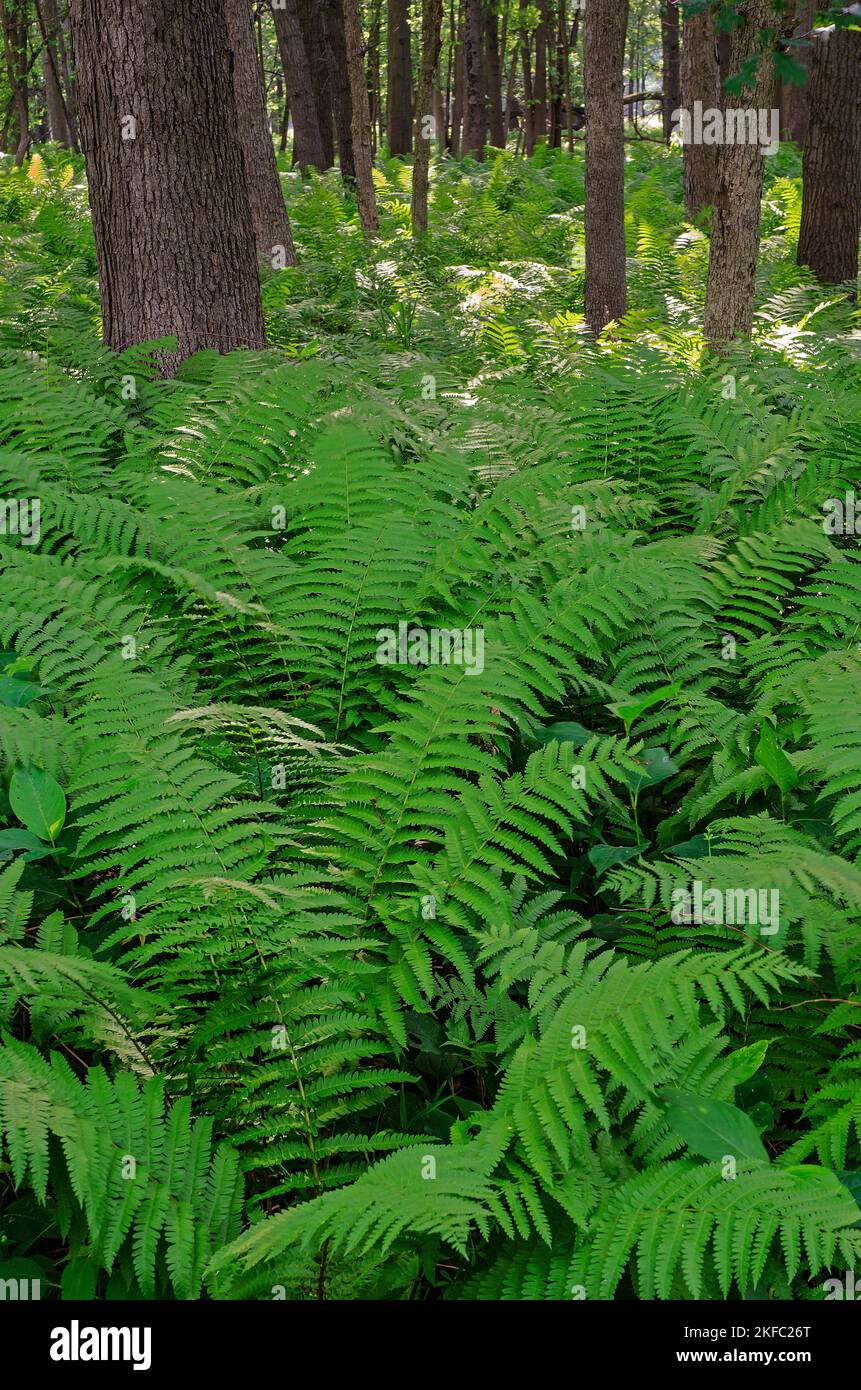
{"x":738,"y":201}
{"x":431,"y":44}
{"x":399,"y":113}
{"x":333,"y":21}
{"x":268,"y":213}
{"x":794,"y":113}
{"x":604,"y":31}
{"x":173,"y":230}
{"x":15,"y":26}
{"x":308,"y":148}
{"x":671,"y":62}
{"x":365,"y":196}
{"x":311,"y":20}
{"x":375,"y":76}
{"x":529,"y":116}
{"x":831,"y":207}
{"x":459,"y":102}
{"x":55,"y":26}
{"x":57,"y":126}
{"x":475,"y":131}
{"x":539,"y":86}
{"x":700,"y":82}
{"x":55,"y":101}
{"x":494,"y":78}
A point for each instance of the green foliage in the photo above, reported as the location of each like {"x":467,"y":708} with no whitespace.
{"x":372,"y":971}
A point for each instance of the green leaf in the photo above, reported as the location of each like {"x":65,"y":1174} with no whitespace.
{"x":15,"y":694}
{"x":629,"y":710}
{"x":38,"y":801}
{"x":14,"y":839}
{"x":566,"y":732}
{"x":771,"y":756}
{"x":657,"y":766}
{"x":604,"y":857}
{"x":713,"y":1128}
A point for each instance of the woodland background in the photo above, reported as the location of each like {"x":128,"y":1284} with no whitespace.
{"x":327,"y":976}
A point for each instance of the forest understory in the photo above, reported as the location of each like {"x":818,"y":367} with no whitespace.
{"x":430,"y":757}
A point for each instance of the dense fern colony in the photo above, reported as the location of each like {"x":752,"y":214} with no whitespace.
{"x":431,"y":767}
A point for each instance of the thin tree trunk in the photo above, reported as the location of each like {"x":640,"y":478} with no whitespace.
{"x":173,"y":230}
{"x":475,"y":131}
{"x":55,"y":101}
{"x":56,"y":26}
{"x":431,"y":44}
{"x":271,"y":224}
{"x":738,"y":202}
{"x":375,"y":77}
{"x":333,"y":22}
{"x":540,"y":82}
{"x":700,"y":82}
{"x":671,"y":63}
{"x":14,"y":17}
{"x":603,"y":58}
{"x":831,"y":207}
{"x":399,"y":114}
{"x":365,"y":196}
{"x":494,"y":78}
{"x":308,"y":148}
{"x":529,"y":118}
{"x":459,"y":85}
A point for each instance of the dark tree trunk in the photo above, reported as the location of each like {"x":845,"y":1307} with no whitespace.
{"x":15,"y":24}
{"x":431,"y":44}
{"x":831,"y":207}
{"x":55,"y":26}
{"x":400,"y":107}
{"x":724,"y":57}
{"x":174,"y":238}
{"x":539,"y":86}
{"x":700,"y":82}
{"x":671,"y":62}
{"x":794,"y":107}
{"x":375,"y":76}
{"x":529,"y":116}
{"x":311,"y":20}
{"x":308,"y":148}
{"x":55,"y":100}
{"x":268,"y":213}
{"x":494,"y":79}
{"x":475,"y":131}
{"x":459,"y":102}
{"x":333,"y":20}
{"x":362,"y":157}
{"x":604,"y":31}
{"x":57,"y":127}
{"x":738,"y":202}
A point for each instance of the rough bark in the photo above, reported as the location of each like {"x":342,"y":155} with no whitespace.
{"x":475,"y":127}
{"x":308,"y":148}
{"x":174,"y":238}
{"x":700,"y":75}
{"x":738,"y":200}
{"x":539,"y":85}
{"x":671,"y":63}
{"x":365,"y":196}
{"x":831,"y":207}
{"x":431,"y":44}
{"x":311,"y":20}
{"x":268,"y":214}
{"x":494,"y":78}
{"x":15,"y":23}
{"x":794,"y":107}
{"x":604,"y":31}
{"x":342,"y":101}
{"x":400,"y":105}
